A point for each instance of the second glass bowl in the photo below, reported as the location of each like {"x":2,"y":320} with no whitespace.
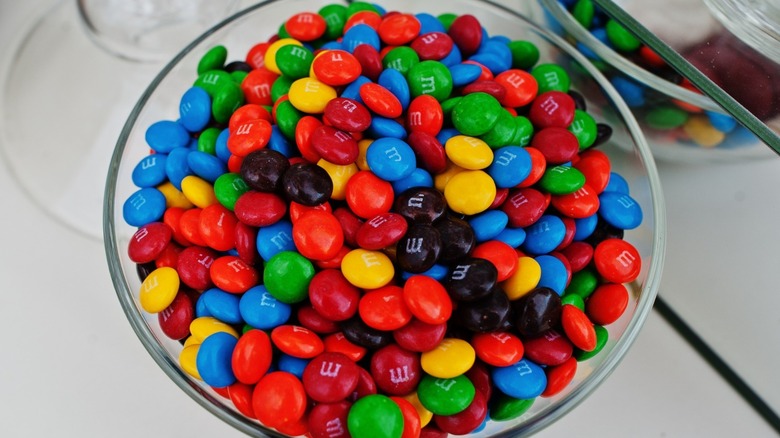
{"x":680,"y":123}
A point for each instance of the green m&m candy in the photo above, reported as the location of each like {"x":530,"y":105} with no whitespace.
{"x":506,"y":408}
{"x":503,"y":132}
{"x":573,"y":299}
{"x":214,"y":59}
{"x":239,"y":76}
{"x":287,"y":276}
{"x":287,"y":118}
{"x":551,"y":77}
{"x":228,"y":188}
{"x":621,"y":38}
{"x":430,"y":77}
{"x":562,"y":180}
{"x":207,"y":141}
{"x":525,"y":54}
{"x":666,"y":117}
{"x":445,"y":396}
{"x":355,"y":7}
{"x":523,"y":131}
{"x":282,"y":31}
{"x":401,"y":58}
{"x":583,"y":283}
{"x":476,"y":114}
{"x":294,"y":61}
{"x":212,"y":80}
{"x":335,"y":16}
{"x":584,"y":128}
{"x":584,"y":11}
{"x":448,"y":105}
{"x":447,"y":19}
{"x":375,"y":416}
{"x":280,"y":87}
{"x":227,"y":99}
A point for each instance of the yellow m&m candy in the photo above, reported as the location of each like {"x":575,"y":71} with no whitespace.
{"x":470,"y":192}
{"x":367,"y":269}
{"x":451,"y":358}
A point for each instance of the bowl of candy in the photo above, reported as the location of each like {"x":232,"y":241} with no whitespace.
{"x":680,"y":122}
{"x":336,"y":220}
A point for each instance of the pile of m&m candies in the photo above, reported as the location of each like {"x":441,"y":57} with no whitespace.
{"x":382,"y":224}
{"x":660,"y":114}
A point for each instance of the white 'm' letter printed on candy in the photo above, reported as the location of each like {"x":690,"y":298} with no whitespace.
{"x":330,"y":369}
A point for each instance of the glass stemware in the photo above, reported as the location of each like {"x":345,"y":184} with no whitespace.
{"x":69,"y":84}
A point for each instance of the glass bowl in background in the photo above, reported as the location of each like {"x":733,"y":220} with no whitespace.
{"x":681,"y":123}
{"x":63,"y":71}
{"x":627,"y":149}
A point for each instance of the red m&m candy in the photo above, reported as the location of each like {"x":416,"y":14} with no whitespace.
{"x":297,"y":341}
{"x":330,"y":377}
{"x":396,"y":371}
{"x":148,"y":242}
{"x":617,"y":261}
{"x":279,"y":398}
{"x":305,"y":26}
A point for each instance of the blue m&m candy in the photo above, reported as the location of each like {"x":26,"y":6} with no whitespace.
{"x":463,"y":74}
{"x":214,"y":359}
{"x":545,"y":235}
{"x":522,"y":380}
{"x":261,"y":310}
{"x":292,"y":365}
{"x":554,"y":273}
{"x":429,"y":23}
{"x":360,"y":34}
{"x":150,"y":171}
{"x":221,"y":305}
{"x":144,"y":206}
{"x":489,"y":224}
{"x":274,"y":239}
{"x":206,"y":166}
{"x":177,"y":167}
{"x":511,"y":165}
{"x":620,"y":210}
{"x":395,"y":82}
{"x":383,"y":127}
{"x":418,"y":178}
{"x":513,"y":237}
{"x":221,"y":148}
{"x":165,"y":136}
{"x":391,"y":159}
{"x":584,"y":227}
{"x":195,"y":109}
{"x":616,"y":184}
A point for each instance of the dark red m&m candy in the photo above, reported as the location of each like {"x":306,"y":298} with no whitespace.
{"x":330,"y":377}
{"x":396,"y":371}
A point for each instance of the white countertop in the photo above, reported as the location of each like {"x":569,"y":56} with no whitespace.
{"x":70,"y":365}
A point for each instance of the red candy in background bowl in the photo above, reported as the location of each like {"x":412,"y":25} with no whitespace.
{"x":353,"y":342}
{"x":680,"y":122}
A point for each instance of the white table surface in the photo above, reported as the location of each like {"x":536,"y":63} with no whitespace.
{"x":71,"y":366}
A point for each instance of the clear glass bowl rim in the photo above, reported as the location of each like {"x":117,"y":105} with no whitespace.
{"x":249,"y":427}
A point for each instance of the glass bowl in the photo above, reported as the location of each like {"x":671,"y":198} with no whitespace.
{"x":627,"y":150}
{"x":680,"y":123}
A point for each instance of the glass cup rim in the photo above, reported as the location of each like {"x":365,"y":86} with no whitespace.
{"x":551,"y":413}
